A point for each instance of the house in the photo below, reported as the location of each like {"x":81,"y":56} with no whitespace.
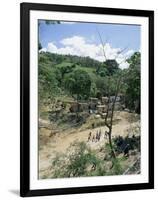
{"x":101,"y":109}
{"x":104,"y":100}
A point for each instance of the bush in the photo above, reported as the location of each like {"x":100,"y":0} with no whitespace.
{"x":78,"y":161}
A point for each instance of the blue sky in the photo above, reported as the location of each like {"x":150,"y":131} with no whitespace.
{"x":82,"y":39}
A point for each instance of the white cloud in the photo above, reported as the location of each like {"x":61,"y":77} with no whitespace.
{"x":79,"y":46}
{"x":73,"y":41}
{"x":51,"y":47}
{"x":124,"y":65}
{"x":43,"y":50}
{"x":121,"y":59}
{"x":129,"y":53}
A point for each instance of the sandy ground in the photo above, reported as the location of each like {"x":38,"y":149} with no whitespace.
{"x":51,"y":144}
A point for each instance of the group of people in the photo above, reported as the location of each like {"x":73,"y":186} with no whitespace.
{"x":97,"y":136}
{"x":122,"y":145}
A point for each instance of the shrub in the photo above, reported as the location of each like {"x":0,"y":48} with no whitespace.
{"x":78,"y":161}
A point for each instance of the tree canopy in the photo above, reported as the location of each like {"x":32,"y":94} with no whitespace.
{"x":73,"y":76}
{"x":78,"y":82}
{"x":132,"y":81}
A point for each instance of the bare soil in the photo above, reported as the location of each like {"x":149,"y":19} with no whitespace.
{"x":57,"y":141}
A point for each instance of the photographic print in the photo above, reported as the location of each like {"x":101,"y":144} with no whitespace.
{"x":89,"y":99}
{"x":87,"y":114}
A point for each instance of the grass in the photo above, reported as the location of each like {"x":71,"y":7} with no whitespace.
{"x":80,"y":161}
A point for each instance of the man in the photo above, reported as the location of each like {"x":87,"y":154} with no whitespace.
{"x":99,"y":135}
{"x":93,"y":138}
{"x":89,"y":136}
{"x":106,"y":135}
{"x":92,"y":125}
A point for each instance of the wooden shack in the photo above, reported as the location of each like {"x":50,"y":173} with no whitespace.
{"x":79,"y":107}
{"x":104,"y":100}
{"x":74,"y":106}
{"x":101,"y":109}
{"x":83,"y":107}
{"x":94,"y":100}
{"x":93,"y":103}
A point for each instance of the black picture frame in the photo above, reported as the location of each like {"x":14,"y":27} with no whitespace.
{"x":25,"y":9}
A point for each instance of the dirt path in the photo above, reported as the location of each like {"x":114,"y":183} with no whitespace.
{"x":60,"y":142}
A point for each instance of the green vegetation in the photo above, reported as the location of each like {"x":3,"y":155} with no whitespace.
{"x":83,"y":77}
{"x":133,"y":83}
{"x":67,"y":85}
{"x":78,"y":82}
{"x":79,"y":160}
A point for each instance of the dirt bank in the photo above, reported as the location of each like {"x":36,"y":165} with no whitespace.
{"x":57,"y":142}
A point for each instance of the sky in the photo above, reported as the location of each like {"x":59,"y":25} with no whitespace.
{"x":83,"y":39}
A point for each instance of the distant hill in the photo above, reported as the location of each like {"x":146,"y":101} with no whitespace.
{"x":78,"y":60}
{"x":54,"y":69}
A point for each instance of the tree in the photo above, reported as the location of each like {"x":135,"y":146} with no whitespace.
{"x":102,"y":70}
{"x":66,"y":69}
{"x":111,"y":66}
{"x":108,"y":68}
{"x":39,"y":46}
{"x":132,"y":81}
{"x":109,"y":123}
{"x":78,"y":83}
{"x":93,"y":91}
{"x":102,"y":85}
{"x":48,"y":84}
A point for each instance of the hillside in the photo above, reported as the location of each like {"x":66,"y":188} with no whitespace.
{"x":89,"y":122}
{"x":54,"y":66}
